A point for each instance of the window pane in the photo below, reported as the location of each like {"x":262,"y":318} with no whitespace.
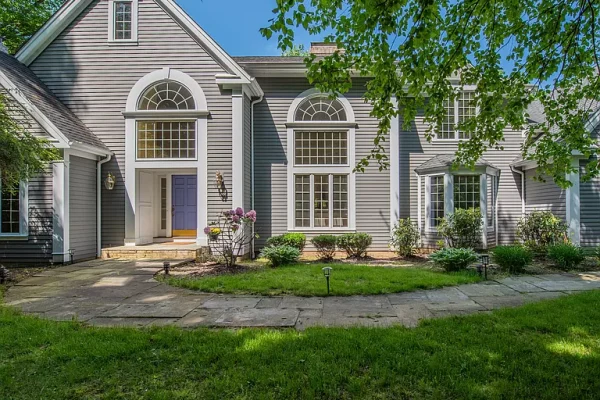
{"x":321,"y":108}
{"x":171,"y":139}
{"x":340,"y":201}
{"x":321,"y":201}
{"x":167,"y":95}
{"x":163,"y":203}
{"x":437,"y":200}
{"x":491,"y":199}
{"x":446,"y":130}
{"x":123,"y":20}
{"x":302,"y":198}
{"x":466,"y":192}
{"x":466,"y":110}
{"x":11,"y":212}
{"x":321,"y":148}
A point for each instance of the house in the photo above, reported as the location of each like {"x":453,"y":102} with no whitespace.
{"x":160,"y":130}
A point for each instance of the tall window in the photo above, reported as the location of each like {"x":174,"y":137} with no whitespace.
{"x":491,"y":200}
{"x":123,"y":20}
{"x":437,"y":200}
{"x":457,"y":112}
{"x":321,"y":196}
{"x":13,"y":209}
{"x":166,"y":139}
{"x":466,"y":191}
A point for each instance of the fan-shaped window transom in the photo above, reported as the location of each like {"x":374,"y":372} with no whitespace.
{"x":167,"y":95}
{"x":321,"y":108}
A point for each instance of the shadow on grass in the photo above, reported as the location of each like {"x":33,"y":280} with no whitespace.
{"x":546,"y":350}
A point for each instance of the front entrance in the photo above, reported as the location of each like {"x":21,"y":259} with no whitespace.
{"x":185,"y":205}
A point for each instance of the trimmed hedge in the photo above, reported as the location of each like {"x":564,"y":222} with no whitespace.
{"x":325,"y":245}
{"x":294,"y":239}
{"x":354,"y":244}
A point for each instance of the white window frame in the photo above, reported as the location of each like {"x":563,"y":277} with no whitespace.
{"x":455,"y":139}
{"x":158,"y":118}
{"x":348,"y":126}
{"x":23,"y":214}
{"x":112,"y":23}
{"x":428,"y":226}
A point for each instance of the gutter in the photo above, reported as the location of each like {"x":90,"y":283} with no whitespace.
{"x":252,"y":196}
{"x":522,"y":188}
{"x":99,"y":203}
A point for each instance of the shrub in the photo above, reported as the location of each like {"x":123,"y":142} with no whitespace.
{"x":462,"y":229}
{"x":597,"y":253}
{"x":230,"y":234}
{"x":355,"y":244}
{"x":280,"y":255}
{"x":405,"y":238}
{"x":297,"y":240}
{"x":565,"y":256}
{"x":512,"y":258}
{"x":325,"y":245}
{"x":541,"y":229}
{"x":454,"y":259}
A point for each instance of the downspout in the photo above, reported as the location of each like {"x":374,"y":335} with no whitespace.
{"x":253,"y":252}
{"x":99,"y":203}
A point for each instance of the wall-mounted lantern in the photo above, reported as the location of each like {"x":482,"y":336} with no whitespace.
{"x":110,"y":181}
{"x":220,"y":184}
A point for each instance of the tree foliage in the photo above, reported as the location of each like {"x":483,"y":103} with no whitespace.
{"x":21,"y":154}
{"x":296,"y":51}
{"x":20,"y":19}
{"x":421,"y":52}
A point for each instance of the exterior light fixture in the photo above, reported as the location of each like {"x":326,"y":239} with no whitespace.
{"x":110,"y":181}
{"x":327,"y":273}
{"x":485,"y":261}
{"x":167,"y":268}
{"x":71,"y":255}
{"x":219,"y":179}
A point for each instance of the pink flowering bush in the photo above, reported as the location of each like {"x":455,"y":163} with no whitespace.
{"x":231,"y":233}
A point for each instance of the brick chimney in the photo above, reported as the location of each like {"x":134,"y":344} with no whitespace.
{"x":322,"y":49}
{"x":3,"y":48}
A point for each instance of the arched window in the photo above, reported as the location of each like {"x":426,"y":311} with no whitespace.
{"x":320,"y":108}
{"x":165,"y":137}
{"x":322,"y":151}
{"x":167,"y":95}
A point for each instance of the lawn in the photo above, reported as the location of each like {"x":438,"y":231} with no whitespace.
{"x":308,"y":280}
{"x":548,"y":350}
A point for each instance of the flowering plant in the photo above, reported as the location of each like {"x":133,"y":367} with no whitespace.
{"x":231,"y":234}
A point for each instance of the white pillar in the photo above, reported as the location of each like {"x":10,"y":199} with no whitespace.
{"x":419,"y":205}
{"x":394,"y":169}
{"x":237,"y":139}
{"x":130,"y":184}
{"x":203,"y":182}
{"x":448,"y":194}
{"x":483,"y":182}
{"x":573,"y":204}
{"x":60,"y":204}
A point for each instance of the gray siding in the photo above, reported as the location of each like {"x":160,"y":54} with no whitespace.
{"x":94,"y":79}
{"x":37,"y":248}
{"x":83,"y":210}
{"x":415,"y":150}
{"x":544,"y":196}
{"x":590,"y":211}
{"x":372,"y":187}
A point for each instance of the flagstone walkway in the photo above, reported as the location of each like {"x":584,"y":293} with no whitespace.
{"x":118,"y":292}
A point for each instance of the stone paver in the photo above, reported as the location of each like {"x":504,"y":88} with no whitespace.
{"x":124,"y":293}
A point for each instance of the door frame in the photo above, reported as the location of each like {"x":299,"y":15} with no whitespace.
{"x":159,"y":232}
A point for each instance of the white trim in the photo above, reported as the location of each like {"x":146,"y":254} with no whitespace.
{"x":23,"y":214}
{"x":99,"y":185}
{"x":483,"y":208}
{"x":448,"y":194}
{"x":314,"y":92}
{"x":61,"y":204}
{"x":394,"y":168}
{"x":321,"y":124}
{"x":134,"y":23}
{"x":574,"y":204}
{"x":419,"y":204}
{"x":237,"y":139}
{"x":428,"y":227}
{"x":161,"y":75}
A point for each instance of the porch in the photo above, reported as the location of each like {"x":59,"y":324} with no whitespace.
{"x":172,"y":250}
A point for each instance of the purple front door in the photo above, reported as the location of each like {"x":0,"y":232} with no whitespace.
{"x":185,"y":205}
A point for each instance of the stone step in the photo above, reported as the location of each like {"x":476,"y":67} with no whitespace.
{"x":162,"y":253}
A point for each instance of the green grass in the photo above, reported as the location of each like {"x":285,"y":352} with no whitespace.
{"x":308,"y":280}
{"x":548,"y":350}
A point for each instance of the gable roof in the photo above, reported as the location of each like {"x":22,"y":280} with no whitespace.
{"x":54,"y":116}
{"x":73,"y":8}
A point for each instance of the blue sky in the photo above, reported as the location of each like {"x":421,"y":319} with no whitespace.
{"x":234,"y":24}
